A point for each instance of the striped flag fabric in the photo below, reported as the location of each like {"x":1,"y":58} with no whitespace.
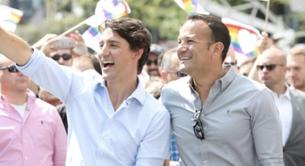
{"x":92,"y":38}
{"x":10,"y":17}
{"x":108,"y":9}
{"x":191,"y":6}
{"x":243,"y":37}
{"x":105,"y":10}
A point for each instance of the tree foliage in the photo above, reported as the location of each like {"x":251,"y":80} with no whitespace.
{"x":163,"y":17}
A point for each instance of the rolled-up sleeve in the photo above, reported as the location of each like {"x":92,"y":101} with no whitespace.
{"x":48,"y":74}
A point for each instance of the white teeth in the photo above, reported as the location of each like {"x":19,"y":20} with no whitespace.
{"x":105,"y":64}
{"x":185,"y":58}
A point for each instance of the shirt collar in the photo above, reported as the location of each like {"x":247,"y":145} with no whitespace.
{"x":221,"y":83}
{"x":286,"y":94}
{"x":138,"y":94}
{"x":30,"y":99}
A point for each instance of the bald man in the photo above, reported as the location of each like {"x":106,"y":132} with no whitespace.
{"x":290,"y":103}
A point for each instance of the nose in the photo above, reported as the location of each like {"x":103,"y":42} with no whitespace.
{"x":104,"y":51}
{"x":181,"y":49}
{"x":61,"y":61}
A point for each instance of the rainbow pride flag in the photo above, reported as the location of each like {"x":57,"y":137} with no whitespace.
{"x":10,"y":17}
{"x":92,"y":38}
{"x":191,"y":6}
{"x":243,"y":37}
{"x":108,"y":9}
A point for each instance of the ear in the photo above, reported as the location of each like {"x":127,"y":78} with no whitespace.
{"x":139,"y":53}
{"x":218,"y":48}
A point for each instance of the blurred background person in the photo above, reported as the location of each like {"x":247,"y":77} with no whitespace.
{"x":84,"y":63}
{"x":245,"y":66}
{"x":231,"y":59}
{"x":152,"y":63}
{"x":290,"y":104}
{"x":31,"y":132}
{"x":60,"y":50}
{"x":296,"y":67}
{"x":169,"y":67}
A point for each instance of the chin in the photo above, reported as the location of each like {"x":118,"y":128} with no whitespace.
{"x":107,"y":77}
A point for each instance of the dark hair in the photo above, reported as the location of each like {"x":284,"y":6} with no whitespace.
{"x":135,"y":33}
{"x":220,"y":32}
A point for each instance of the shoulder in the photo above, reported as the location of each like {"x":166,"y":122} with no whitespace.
{"x":296,"y":93}
{"x":251,"y":87}
{"x":180,"y":86}
{"x":177,"y":84}
{"x":44,"y":107}
{"x":153,"y":105}
{"x":250,"y":84}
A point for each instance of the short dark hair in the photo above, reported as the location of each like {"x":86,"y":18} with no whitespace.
{"x":135,"y":33}
{"x":220,"y":32}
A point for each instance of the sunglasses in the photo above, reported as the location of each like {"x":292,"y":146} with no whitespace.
{"x":198,"y":127}
{"x":11,"y":69}
{"x":269,"y":67}
{"x":65,"y":57}
{"x":180,"y":74}
{"x":150,"y":62}
{"x":230,"y":63}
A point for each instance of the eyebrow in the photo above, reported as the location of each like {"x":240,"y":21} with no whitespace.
{"x":110,"y":41}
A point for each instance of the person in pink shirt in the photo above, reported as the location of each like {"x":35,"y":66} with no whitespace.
{"x":31,"y":131}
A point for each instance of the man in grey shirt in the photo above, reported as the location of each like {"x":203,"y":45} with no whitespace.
{"x":218,"y":117}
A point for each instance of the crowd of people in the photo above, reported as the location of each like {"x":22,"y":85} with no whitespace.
{"x":135,"y":103}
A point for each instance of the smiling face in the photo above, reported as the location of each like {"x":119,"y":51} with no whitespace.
{"x":194,"y":52}
{"x":118,"y":61}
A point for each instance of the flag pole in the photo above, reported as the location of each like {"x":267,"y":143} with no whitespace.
{"x":73,"y":28}
{"x":267,"y":14}
{"x":41,"y":41}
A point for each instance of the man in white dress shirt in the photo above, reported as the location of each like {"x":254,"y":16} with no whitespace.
{"x":290,"y":103}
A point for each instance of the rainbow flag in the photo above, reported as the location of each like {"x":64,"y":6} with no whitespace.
{"x":191,"y":6}
{"x":108,"y":9}
{"x":92,"y":38}
{"x":10,"y":17}
{"x":243,"y":37}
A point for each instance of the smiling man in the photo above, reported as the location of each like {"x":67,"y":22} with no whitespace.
{"x":219,"y":117}
{"x":112,"y":120}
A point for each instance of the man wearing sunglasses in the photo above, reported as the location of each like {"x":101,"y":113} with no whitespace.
{"x":31,"y":132}
{"x":60,"y":50}
{"x":290,"y":103}
{"x":219,"y":118}
{"x":152,"y":65}
{"x":113,"y":121}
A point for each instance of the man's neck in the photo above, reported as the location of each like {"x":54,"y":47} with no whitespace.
{"x":17,"y":98}
{"x":279,"y":89}
{"x":119,"y":91}
{"x":204,"y":82}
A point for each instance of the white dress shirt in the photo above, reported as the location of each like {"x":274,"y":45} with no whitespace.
{"x":283,"y":103}
{"x":136,"y":134}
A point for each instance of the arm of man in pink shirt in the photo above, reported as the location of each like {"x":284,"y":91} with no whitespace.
{"x":60,"y":142}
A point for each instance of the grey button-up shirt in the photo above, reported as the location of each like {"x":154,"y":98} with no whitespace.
{"x":240,"y":119}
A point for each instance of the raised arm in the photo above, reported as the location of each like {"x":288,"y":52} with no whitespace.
{"x":15,"y":48}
